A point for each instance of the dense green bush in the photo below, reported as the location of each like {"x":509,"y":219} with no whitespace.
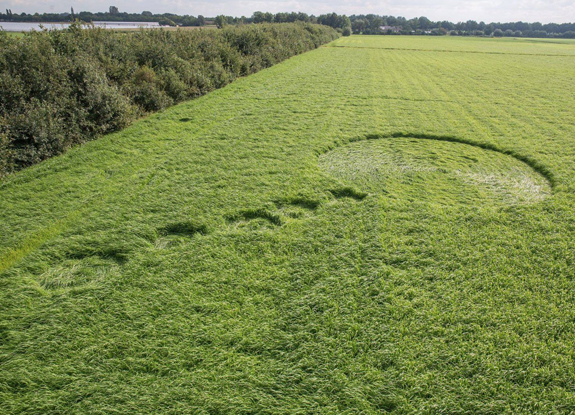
{"x":61,"y":88}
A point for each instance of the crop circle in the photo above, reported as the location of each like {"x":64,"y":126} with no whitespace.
{"x":436,"y":171}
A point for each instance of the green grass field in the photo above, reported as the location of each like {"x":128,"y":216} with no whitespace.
{"x":385,"y":224}
{"x":15,"y":34}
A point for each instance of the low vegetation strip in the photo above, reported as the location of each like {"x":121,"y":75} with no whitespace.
{"x":61,"y":88}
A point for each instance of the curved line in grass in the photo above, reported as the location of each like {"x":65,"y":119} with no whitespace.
{"x":14,"y":255}
{"x":33,"y":242}
{"x":536,"y":166}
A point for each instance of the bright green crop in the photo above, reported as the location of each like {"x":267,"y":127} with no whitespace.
{"x":383,"y":224}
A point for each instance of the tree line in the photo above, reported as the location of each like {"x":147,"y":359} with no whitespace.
{"x":112,"y":15}
{"x":373,"y":24}
{"x":358,"y":24}
{"x":338,"y":22}
{"x":169,"y":19}
{"x":59,"y":88}
{"x":368,"y":24}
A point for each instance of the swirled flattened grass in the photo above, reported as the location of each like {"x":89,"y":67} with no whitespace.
{"x":435,"y":171}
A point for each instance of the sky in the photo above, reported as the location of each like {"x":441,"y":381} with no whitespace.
{"x":545,"y":11}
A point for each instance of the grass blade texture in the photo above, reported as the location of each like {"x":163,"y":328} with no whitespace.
{"x":384,"y":224}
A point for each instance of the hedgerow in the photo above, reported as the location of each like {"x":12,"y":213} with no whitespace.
{"x":59,"y":88}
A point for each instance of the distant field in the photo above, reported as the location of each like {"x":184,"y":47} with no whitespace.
{"x":381,"y":225}
{"x":464,"y":44}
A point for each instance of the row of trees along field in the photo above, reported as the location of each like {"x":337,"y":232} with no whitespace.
{"x":59,"y":88}
{"x":339,"y":22}
{"x":373,"y":24}
{"x":169,"y":19}
{"x":358,"y":24}
{"x":112,"y":15}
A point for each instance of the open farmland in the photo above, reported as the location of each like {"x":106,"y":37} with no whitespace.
{"x":384,"y":224}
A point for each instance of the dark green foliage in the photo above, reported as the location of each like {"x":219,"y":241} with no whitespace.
{"x":334,"y":20}
{"x":112,"y":15}
{"x":164,"y":21}
{"x":221,"y":21}
{"x":371,"y":25}
{"x":61,"y":88}
{"x":5,"y":151}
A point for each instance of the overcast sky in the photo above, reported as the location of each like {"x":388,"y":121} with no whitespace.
{"x":544,"y":11}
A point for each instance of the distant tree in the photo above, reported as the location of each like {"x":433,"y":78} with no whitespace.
{"x":346,"y":31}
{"x":147,"y":14}
{"x":189,"y":21}
{"x":113,"y":10}
{"x":281,"y":18}
{"x":201,"y":20}
{"x":303,"y":17}
{"x":414,"y":24}
{"x":498,"y":33}
{"x":424,"y":23}
{"x":508,"y":33}
{"x":447,"y":25}
{"x":376,"y":24}
{"x":551,"y":28}
{"x":334,"y":20}
{"x":221,"y":21}
{"x":539,"y":33}
{"x":438,"y":32}
{"x":258,"y":17}
{"x":358,"y":26}
{"x":471,"y":25}
{"x":518,"y":33}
